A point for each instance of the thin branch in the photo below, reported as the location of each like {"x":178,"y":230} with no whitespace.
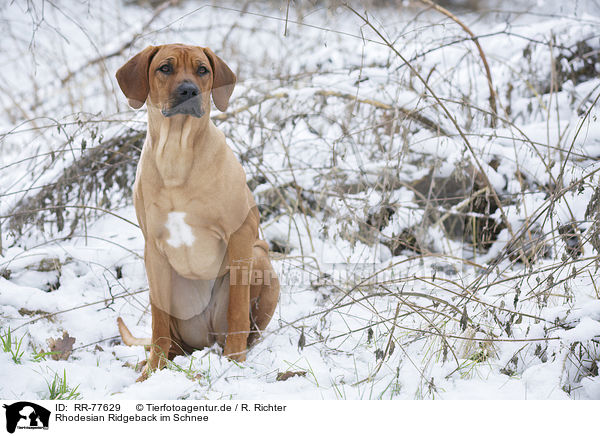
{"x":446,"y":12}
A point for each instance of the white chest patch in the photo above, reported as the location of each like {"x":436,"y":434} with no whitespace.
{"x":180,"y":233}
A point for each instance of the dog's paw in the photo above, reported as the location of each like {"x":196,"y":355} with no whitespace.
{"x":140,"y":365}
{"x":145,"y":374}
{"x":238,"y":357}
{"x":233,"y":354}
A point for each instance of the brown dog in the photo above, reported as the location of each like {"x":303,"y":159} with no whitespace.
{"x":210,"y":276}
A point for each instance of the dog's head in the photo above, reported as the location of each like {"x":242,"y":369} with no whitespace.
{"x":178,"y":79}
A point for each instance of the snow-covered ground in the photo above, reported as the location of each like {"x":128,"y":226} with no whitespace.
{"x":338,"y":136}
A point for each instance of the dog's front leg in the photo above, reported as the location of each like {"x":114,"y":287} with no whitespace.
{"x":159,"y":280}
{"x":238,"y":312}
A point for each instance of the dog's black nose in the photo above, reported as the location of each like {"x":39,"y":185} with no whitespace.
{"x":186,"y":99}
{"x":186,"y":91}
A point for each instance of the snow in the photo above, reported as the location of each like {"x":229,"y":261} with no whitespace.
{"x":180,"y":233}
{"x":362,"y":318}
{"x":585,"y":330}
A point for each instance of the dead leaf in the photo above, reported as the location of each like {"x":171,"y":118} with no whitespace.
{"x":301,"y":340}
{"x":283,"y":376}
{"x":464,"y":319}
{"x":391,"y":349}
{"x":61,"y":349}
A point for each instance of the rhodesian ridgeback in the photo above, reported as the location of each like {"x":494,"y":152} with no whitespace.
{"x":210,"y":276}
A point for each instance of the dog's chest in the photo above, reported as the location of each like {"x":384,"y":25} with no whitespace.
{"x":189,"y":234}
{"x":191,"y":222}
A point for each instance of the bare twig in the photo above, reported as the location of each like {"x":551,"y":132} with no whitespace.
{"x":492,"y":97}
{"x":119,"y":51}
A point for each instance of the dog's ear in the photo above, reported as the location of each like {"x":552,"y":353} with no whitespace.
{"x":133,"y":77}
{"x":223,"y":80}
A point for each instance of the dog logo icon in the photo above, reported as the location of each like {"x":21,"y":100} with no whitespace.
{"x":25,"y":415}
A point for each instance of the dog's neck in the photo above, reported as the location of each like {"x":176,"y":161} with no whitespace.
{"x":172,"y":140}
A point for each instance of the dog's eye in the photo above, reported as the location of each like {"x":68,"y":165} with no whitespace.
{"x":166,"y":68}
{"x":202,"y":71}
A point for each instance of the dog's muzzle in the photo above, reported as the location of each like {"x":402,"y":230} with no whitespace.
{"x":186,"y":100}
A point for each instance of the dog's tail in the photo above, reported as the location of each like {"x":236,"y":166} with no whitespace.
{"x":128,"y":338}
